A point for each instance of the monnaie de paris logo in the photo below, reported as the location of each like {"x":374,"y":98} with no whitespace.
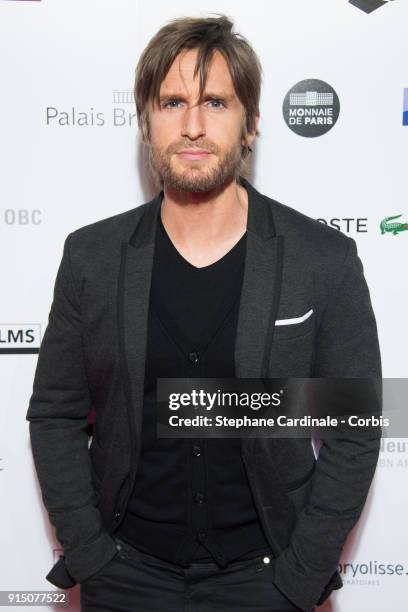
{"x":311,"y":108}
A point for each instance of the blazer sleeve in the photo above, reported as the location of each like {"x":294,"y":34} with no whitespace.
{"x":58,"y":410}
{"x":346,"y":347}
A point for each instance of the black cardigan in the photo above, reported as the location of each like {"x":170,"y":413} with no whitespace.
{"x":191,"y":499}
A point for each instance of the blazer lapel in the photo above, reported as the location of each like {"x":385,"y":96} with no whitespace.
{"x":257,"y":310}
{"x":260,"y":289}
{"x":259,"y":296}
{"x":133,"y":310}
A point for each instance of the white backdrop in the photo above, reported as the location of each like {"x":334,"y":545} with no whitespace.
{"x":77,"y":57}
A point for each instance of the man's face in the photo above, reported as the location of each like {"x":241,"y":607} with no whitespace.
{"x":180,"y":124}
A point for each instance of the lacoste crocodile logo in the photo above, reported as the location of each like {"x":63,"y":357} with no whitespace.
{"x":394,"y":228}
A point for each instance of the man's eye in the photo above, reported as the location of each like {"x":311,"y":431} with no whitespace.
{"x":217,"y":101}
{"x":174,"y":102}
{"x":166,"y":104}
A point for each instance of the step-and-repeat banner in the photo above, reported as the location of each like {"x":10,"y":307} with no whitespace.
{"x":333,"y":145}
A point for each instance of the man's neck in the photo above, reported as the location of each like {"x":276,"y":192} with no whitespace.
{"x":203,"y":226}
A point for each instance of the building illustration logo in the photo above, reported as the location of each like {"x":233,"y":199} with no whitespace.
{"x":311,"y":98}
{"x":393,"y":228}
{"x":123,"y":96}
{"x":311,"y":108}
{"x":368,"y":6}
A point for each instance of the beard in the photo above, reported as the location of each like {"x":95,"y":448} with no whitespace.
{"x":195,"y":176}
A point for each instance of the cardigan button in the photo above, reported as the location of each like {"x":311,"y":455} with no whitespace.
{"x":199,"y":497}
{"x":193,"y":357}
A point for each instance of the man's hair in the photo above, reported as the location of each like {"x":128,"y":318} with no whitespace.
{"x":206,"y":35}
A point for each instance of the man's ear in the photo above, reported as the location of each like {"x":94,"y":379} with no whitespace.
{"x":144,"y":132}
{"x":250,"y":136}
{"x":143,"y":137}
{"x":144,"y":127}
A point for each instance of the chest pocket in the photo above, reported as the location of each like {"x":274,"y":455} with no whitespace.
{"x":295,"y":326}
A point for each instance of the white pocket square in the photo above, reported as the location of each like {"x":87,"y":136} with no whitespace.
{"x":295,"y":320}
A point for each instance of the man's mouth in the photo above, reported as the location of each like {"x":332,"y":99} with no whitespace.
{"x":193,"y":153}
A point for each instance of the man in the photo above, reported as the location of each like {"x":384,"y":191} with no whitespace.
{"x":210,"y":278}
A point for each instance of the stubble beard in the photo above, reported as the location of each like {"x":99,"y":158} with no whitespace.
{"x":196,"y":176}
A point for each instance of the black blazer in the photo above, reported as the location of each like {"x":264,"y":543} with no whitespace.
{"x":93,"y":354}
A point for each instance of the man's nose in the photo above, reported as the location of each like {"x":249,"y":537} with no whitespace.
{"x":193,"y":125}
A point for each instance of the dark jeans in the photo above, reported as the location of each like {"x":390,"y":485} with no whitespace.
{"x":135,"y":581}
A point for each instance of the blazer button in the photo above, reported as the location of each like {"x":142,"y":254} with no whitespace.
{"x":202,"y":536}
{"x":196,"y":450}
{"x":193,"y":357}
{"x":116,"y":516}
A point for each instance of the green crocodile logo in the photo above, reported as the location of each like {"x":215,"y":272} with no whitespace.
{"x":394,"y":228}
